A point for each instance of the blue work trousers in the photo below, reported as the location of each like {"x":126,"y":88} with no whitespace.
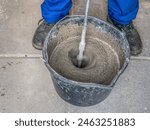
{"x":121,"y":11}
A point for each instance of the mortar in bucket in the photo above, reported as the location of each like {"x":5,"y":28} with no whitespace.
{"x":107,"y":54}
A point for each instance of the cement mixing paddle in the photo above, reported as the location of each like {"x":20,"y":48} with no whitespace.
{"x":82,"y":42}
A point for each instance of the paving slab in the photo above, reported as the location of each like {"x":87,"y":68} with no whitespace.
{"x":26,"y":86}
{"x":18,"y":21}
{"x":143,"y":25}
{"x":97,"y":8}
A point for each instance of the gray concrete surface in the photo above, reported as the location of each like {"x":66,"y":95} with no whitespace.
{"x":25,"y":83}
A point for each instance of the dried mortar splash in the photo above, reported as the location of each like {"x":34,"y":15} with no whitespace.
{"x":105,"y":57}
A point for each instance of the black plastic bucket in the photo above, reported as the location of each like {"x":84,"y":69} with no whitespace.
{"x":78,"y":93}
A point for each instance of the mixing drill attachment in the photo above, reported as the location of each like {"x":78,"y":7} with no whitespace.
{"x":82,"y":44}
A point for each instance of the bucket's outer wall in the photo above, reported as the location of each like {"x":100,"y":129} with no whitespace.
{"x":79,"y":95}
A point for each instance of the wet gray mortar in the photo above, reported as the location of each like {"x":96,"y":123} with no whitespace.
{"x":104,"y":53}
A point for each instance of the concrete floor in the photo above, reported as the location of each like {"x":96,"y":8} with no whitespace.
{"x":25,"y":83}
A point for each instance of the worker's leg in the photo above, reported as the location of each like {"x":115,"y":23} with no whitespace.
{"x":52,"y":11}
{"x":121,"y":14}
{"x":123,"y":11}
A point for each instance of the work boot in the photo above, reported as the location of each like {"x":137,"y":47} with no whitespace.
{"x":132,"y":36}
{"x":40,"y":34}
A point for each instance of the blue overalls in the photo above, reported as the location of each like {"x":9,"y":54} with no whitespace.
{"x":121,"y":11}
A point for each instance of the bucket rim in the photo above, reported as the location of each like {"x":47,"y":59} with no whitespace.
{"x":95,"y":85}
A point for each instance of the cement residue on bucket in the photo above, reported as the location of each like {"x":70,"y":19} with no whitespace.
{"x":104,"y":55}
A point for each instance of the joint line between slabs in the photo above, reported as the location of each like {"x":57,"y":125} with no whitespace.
{"x":40,"y":56}
{"x":20,"y":56}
